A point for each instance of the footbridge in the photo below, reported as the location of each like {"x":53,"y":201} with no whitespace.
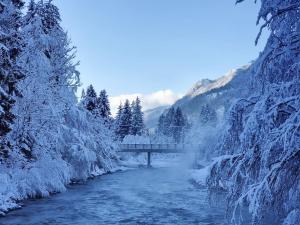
{"x":158,"y":148}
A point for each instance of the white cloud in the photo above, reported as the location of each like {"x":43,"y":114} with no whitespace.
{"x":149,"y":101}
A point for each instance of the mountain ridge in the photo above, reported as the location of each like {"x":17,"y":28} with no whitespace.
{"x":220,"y":93}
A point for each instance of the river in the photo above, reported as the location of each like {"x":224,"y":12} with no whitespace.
{"x":134,"y":197}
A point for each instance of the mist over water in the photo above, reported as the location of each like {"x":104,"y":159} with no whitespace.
{"x":143,"y":196}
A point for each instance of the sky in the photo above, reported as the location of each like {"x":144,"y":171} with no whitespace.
{"x":158,"y":49}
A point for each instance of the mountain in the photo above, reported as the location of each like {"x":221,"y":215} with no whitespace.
{"x":152,"y":115}
{"x":206,"y":85}
{"x":220,"y":94}
{"x":200,"y":87}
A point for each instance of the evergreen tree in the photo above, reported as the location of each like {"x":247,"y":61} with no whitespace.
{"x":169,"y":129}
{"x":178,"y":125}
{"x":132,"y":105}
{"x":90,"y":100}
{"x":10,"y":72}
{"x":51,"y":78}
{"x":117,"y":122}
{"x":103,"y":105}
{"x":208,"y":114}
{"x":64,"y":78}
{"x":138,"y":125}
{"x":173,"y":124}
{"x":125,"y":120}
{"x":161,"y":125}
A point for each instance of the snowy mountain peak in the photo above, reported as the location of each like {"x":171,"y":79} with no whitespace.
{"x":206,"y":85}
{"x":202,"y":84}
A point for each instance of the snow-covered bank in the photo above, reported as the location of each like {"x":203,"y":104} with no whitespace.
{"x":199,"y":176}
{"x":82,"y":148}
{"x":39,"y":181}
{"x":49,"y":176}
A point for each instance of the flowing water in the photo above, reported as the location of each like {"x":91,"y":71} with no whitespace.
{"x":135,"y":197}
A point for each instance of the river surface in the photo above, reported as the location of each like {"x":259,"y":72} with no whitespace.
{"x":134,"y":197}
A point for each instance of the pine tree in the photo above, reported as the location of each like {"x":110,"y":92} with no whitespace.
{"x":138,"y":125}
{"x":117,"y":122}
{"x":132,"y":105}
{"x":169,"y":129}
{"x":161,"y":125}
{"x":10,"y":72}
{"x":207,"y":114}
{"x":178,"y":125}
{"x":90,"y":100}
{"x":103,"y":105}
{"x":173,"y":124}
{"x":125,"y":120}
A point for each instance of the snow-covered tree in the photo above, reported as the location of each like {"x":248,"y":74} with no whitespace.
{"x":10,"y":72}
{"x":173,"y":124}
{"x":126,"y":119}
{"x":161,"y":124}
{"x":207,"y":115}
{"x":123,"y":121}
{"x":55,"y":140}
{"x":117,"y":122}
{"x":103,"y":105}
{"x":51,"y":78}
{"x":178,"y":125}
{"x":90,"y":100}
{"x":262,"y":132}
{"x":168,"y":122}
{"x":137,"y":126}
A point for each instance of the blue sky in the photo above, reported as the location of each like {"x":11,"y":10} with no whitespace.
{"x":143,"y":46}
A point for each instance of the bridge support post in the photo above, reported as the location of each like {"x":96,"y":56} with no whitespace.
{"x":149,"y":159}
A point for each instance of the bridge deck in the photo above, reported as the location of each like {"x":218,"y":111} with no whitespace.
{"x":157,"y":148}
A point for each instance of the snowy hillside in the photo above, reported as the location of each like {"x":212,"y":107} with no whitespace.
{"x":219,"y":93}
{"x":206,"y":85}
{"x":152,"y":116}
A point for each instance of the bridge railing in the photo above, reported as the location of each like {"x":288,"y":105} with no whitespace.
{"x":158,"y":146}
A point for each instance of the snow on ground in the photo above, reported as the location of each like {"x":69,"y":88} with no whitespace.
{"x":199,"y":176}
{"x":36,"y":181}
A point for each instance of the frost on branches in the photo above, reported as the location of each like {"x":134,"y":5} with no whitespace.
{"x":263,"y":132}
{"x":49,"y":140}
